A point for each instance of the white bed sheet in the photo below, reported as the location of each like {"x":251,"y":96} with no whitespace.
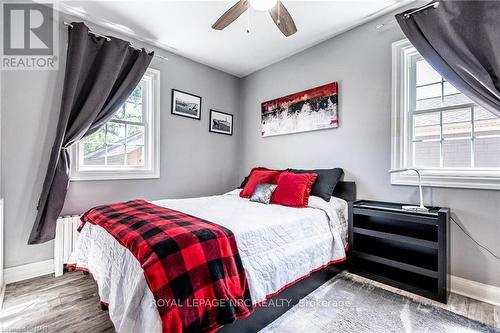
{"x":278,"y":245}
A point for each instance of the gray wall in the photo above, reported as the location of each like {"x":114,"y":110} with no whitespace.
{"x":360,"y":60}
{"x":194,"y":162}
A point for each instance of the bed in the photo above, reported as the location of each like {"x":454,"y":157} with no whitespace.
{"x":279,"y":247}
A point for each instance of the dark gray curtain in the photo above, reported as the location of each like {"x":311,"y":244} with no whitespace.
{"x":99,"y":77}
{"x":460,"y":39}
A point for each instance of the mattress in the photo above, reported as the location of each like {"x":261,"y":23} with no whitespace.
{"x":278,"y":245}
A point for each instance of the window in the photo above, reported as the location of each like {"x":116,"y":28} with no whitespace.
{"x":438,"y":130}
{"x":127,"y":146}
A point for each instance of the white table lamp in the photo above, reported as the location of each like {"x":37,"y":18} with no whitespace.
{"x":420,"y":208}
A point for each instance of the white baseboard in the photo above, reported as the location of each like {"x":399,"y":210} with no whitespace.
{"x":476,"y":290}
{"x":28,"y":271}
{"x":2,"y":295}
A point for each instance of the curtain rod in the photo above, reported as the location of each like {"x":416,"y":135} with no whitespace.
{"x":407,"y":15}
{"x":109,"y":39}
{"x":432,"y":4}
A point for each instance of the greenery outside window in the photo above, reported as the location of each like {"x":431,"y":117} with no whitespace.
{"x":127,"y":145}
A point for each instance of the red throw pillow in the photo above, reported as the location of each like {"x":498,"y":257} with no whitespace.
{"x":258,"y":176}
{"x":293,"y":189}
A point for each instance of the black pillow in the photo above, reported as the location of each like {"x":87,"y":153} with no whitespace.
{"x":244,"y":182}
{"x":325,"y":182}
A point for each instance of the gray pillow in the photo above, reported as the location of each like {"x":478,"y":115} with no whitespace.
{"x":263,"y":193}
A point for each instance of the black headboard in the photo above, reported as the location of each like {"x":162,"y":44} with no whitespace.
{"x":345,"y":190}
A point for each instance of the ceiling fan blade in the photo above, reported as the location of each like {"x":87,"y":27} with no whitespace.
{"x":283,"y":19}
{"x":231,"y":14}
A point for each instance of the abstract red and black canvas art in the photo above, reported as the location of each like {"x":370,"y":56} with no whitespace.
{"x":309,"y":110}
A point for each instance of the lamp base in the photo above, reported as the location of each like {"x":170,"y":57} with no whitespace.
{"x":415,"y":208}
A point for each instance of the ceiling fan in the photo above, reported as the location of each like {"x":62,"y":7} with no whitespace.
{"x":276,"y":9}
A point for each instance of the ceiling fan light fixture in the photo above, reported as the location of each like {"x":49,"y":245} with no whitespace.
{"x":262,"y":4}
{"x":275,"y":8}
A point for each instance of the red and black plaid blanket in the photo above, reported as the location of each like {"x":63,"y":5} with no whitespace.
{"x":192,"y":266}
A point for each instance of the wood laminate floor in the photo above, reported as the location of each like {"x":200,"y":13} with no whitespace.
{"x":70,"y":304}
{"x":46,"y":304}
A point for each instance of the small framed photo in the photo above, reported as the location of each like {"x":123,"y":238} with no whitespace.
{"x":186,"y":104}
{"x":221,"y":122}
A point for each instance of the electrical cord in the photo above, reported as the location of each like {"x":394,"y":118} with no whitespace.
{"x":468,"y":235}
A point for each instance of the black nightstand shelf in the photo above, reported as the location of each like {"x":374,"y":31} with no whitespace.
{"x":408,"y":250}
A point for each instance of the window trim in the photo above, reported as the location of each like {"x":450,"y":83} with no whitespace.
{"x":457,"y":178}
{"x":152,"y":76}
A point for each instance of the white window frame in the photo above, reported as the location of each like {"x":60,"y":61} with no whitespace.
{"x":151,"y":168}
{"x":402,"y":129}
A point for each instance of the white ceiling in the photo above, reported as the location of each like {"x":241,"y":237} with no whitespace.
{"x":184,"y":27}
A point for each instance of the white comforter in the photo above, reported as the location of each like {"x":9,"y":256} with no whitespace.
{"x":278,"y":245}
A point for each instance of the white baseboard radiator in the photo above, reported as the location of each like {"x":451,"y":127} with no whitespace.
{"x":65,"y":241}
